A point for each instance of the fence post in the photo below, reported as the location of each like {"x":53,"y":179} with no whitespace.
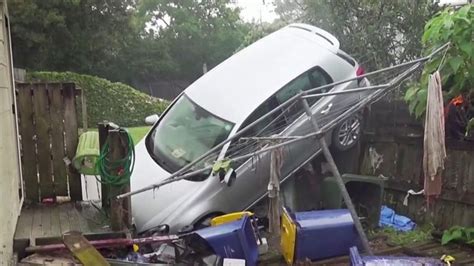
{"x":120,"y":216}
{"x":84,"y":110}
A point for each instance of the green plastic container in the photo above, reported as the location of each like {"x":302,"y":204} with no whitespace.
{"x":366,"y":193}
{"x":87,"y":153}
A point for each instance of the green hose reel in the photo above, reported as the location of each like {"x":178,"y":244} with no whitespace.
{"x":87,"y":153}
{"x":91,"y":160}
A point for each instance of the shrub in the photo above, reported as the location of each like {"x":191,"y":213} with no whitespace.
{"x":457,"y":72}
{"x":115,"y":102}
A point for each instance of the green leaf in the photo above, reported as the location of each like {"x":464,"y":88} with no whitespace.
{"x":454,"y":233}
{"x":411,"y":92}
{"x":412,"y":105}
{"x":468,"y":48}
{"x":421,"y":98}
{"x":221,"y":164}
{"x":455,"y":63}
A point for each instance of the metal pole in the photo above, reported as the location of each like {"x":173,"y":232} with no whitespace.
{"x":339,"y":181}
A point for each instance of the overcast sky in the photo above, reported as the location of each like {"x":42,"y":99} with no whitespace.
{"x":254,"y":9}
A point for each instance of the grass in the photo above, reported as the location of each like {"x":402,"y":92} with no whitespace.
{"x":138,"y":133}
{"x":421,"y":233}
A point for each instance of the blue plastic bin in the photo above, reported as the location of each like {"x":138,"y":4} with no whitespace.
{"x":358,"y":260}
{"x":233,"y":240}
{"x":324,"y":234}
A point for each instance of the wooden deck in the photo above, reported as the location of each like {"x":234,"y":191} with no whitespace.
{"x":45,"y":224}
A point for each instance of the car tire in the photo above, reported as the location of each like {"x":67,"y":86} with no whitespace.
{"x":205,"y":221}
{"x":347,"y":134}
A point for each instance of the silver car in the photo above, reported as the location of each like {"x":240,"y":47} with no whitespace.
{"x":228,"y":98}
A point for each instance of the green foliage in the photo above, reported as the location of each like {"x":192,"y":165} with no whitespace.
{"x":457,"y":71}
{"x":196,"y":32}
{"x":259,"y":31}
{"x":135,"y":42}
{"x":115,"y":102}
{"x":85,"y":36}
{"x":376,"y":33}
{"x":420,"y":233}
{"x":460,"y":234}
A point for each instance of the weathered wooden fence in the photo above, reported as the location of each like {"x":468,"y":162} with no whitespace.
{"x":393,"y":147}
{"x":48,"y":128}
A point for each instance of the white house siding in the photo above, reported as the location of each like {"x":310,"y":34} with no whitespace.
{"x":9,"y":166}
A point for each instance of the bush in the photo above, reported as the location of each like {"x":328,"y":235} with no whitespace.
{"x":115,"y":102}
{"x":457,"y":72}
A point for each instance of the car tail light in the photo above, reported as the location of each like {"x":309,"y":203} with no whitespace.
{"x":360,"y":71}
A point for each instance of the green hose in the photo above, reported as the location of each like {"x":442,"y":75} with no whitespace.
{"x":117,"y":172}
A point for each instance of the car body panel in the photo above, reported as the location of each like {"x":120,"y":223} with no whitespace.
{"x":257,"y":70}
{"x":232,"y":91}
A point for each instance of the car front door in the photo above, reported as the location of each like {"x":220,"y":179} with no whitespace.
{"x":296,"y":123}
{"x":251,"y":174}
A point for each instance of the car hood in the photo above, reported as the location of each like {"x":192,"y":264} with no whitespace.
{"x":151,"y":208}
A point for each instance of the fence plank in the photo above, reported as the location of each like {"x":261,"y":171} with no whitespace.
{"x":27,"y":132}
{"x":57,"y":136}
{"x":71,"y":138}
{"x":43,"y":122}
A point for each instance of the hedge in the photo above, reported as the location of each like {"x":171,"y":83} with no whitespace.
{"x":115,"y":102}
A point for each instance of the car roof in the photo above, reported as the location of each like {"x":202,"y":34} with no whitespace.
{"x":236,"y":87}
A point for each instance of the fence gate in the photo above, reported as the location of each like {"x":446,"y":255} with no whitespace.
{"x":48,"y":128}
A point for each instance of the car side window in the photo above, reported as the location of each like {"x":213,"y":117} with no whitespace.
{"x":313,"y":78}
{"x":262,"y":128}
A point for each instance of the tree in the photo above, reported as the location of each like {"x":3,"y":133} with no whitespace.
{"x":195,"y":31}
{"x":85,"y":36}
{"x":457,"y":66}
{"x":377,"y":33}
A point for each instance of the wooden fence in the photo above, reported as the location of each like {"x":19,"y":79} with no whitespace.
{"x":48,"y":128}
{"x":393,"y":147}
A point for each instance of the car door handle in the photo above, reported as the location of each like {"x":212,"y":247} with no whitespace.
{"x":328,"y":108}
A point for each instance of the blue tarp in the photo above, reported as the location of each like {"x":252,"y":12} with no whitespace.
{"x":388,"y":218}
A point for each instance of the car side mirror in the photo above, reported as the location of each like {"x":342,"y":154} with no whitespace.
{"x":230,"y":177}
{"x":151,"y":119}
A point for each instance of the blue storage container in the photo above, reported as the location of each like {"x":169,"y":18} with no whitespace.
{"x":233,"y":240}
{"x":358,"y":260}
{"x":323,"y":234}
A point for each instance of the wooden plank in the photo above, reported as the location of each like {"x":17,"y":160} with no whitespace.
{"x":117,"y":151}
{"x":74,"y":218}
{"x":46,"y":220}
{"x":25,"y":224}
{"x":451,"y":195}
{"x":55,"y":222}
{"x":83,"y":250}
{"x":63,"y":218}
{"x":57,"y":135}
{"x":103,"y":130}
{"x":43,"y":123}
{"x":71,"y":139}
{"x":27,"y":133}
{"x":37,"y":228}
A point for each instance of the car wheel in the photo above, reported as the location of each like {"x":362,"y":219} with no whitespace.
{"x":205,"y":221}
{"x":347,"y":134}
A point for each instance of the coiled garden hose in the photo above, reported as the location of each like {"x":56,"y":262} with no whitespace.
{"x":116,"y":172}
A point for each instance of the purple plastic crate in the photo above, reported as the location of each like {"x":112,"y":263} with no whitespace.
{"x":233,"y":240}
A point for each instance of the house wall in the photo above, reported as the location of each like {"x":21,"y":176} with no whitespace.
{"x":9,"y":165}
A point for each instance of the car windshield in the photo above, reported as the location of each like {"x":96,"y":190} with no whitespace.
{"x":184,"y":133}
